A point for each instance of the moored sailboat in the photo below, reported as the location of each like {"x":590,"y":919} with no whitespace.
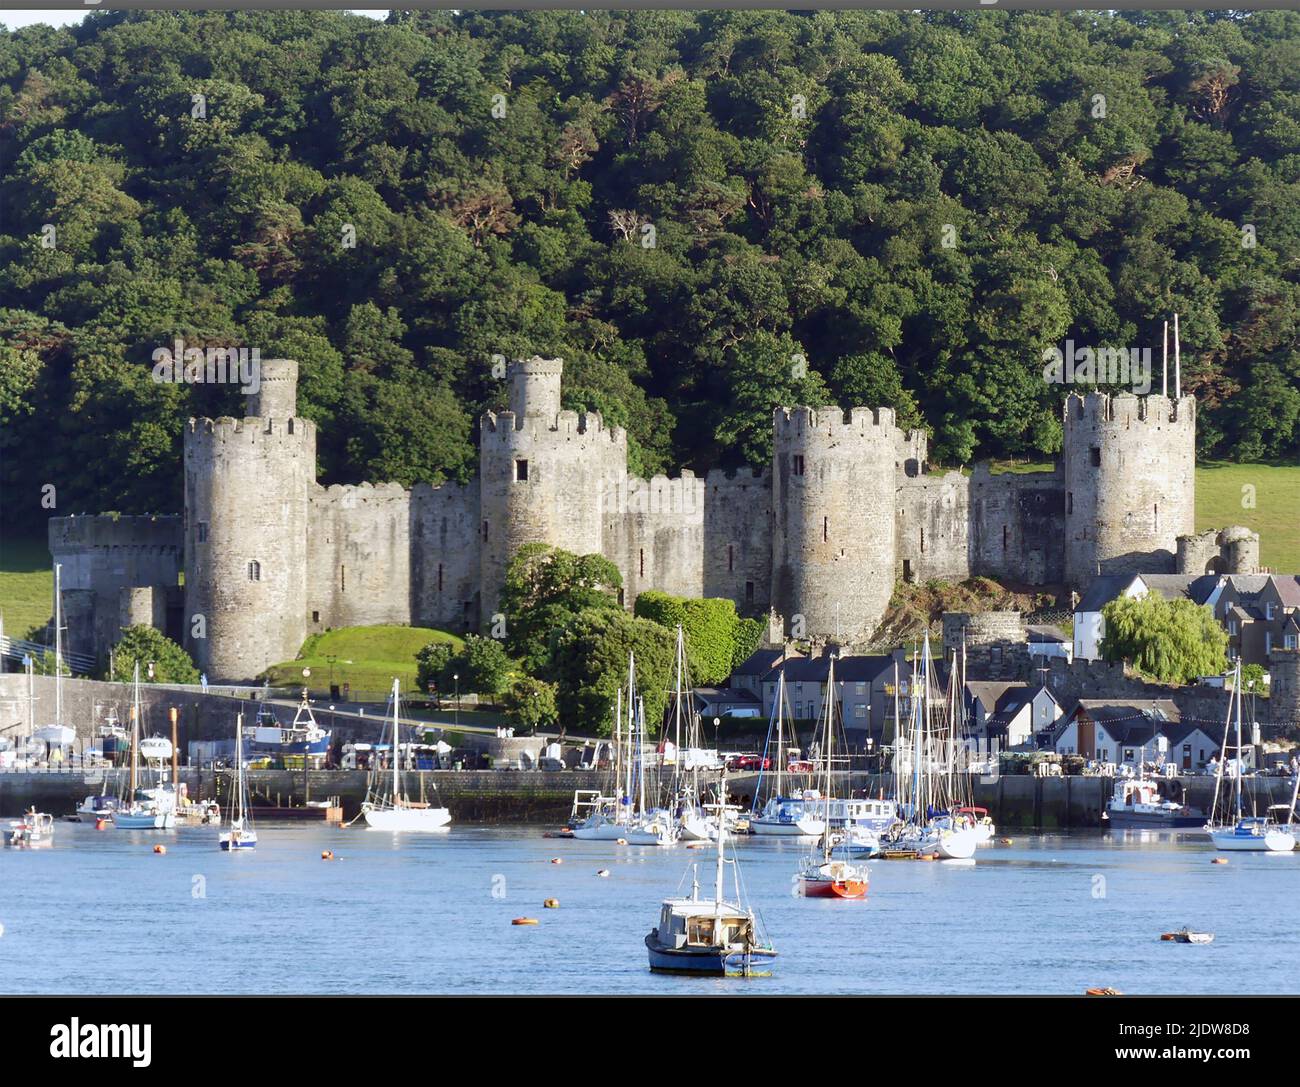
{"x":393,"y":811}
{"x":241,"y":834}
{"x":784,"y":816}
{"x":1246,"y":834}
{"x":824,"y":873}
{"x":143,"y":808}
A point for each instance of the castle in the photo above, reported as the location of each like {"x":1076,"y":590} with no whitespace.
{"x":846,"y":508}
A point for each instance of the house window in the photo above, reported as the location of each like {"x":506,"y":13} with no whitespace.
{"x":1232,"y":627}
{"x":1290,"y":642}
{"x":202,"y":529}
{"x":1268,"y":610}
{"x":749,"y":592}
{"x":860,"y":710}
{"x":859,"y":688}
{"x":254,"y":571}
{"x":1268,"y":642}
{"x":521,"y":471}
{"x":796,"y":464}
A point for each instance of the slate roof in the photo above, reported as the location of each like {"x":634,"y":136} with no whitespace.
{"x":760,"y":662}
{"x":1103,"y":590}
{"x":1288,"y":589}
{"x":1182,"y":586}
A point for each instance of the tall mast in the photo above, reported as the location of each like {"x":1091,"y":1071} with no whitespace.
{"x":58,"y":643}
{"x":1236,"y":682}
{"x":618,"y":752}
{"x":780,"y":730}
{"x":396,"y":746}
{"x":239,"y":767}
{"x":677,"y":712}
{"x":717,"y":885}
{"x":135,"y":725}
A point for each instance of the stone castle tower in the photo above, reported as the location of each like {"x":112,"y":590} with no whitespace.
{"x":846,"y":509}
{"x":247,"y":485}
{"x":833,"y":492}
{"x":1130,"y":483}
{"x":545,"y":475}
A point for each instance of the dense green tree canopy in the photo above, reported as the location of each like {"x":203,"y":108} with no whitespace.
{"x":1173,"y":641}
{"x":705,"y":213}
{"x":145,"y":645}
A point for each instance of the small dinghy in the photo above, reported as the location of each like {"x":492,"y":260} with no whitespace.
{"x":1186,"y":936}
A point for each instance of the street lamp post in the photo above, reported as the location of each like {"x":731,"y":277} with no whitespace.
{"x":456,"y":678}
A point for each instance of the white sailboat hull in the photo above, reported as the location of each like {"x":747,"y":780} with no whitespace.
{"x":957,"y":845}
{"x":1274,"y":841}
{"x":806,"y":827}
{"x":144,"y":820}
{"x":697,"y":828}
{"x":407,"y":819}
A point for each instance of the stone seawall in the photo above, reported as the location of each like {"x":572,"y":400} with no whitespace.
{"x":1016,"y":802}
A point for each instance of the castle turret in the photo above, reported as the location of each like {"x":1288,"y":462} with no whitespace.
{"x":247,"y":483}
{"x":833,"y":486}
{"x":277,"y":391}
{"x":545,"y":476}
{"x":1130,"y":483}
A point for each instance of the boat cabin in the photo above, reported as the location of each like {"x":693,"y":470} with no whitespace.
{"x":688,"y":923}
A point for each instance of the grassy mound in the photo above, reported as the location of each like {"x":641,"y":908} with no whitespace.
{"x":365,"y":658}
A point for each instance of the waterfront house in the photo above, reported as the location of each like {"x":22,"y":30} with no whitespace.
{"x":1090,"y":625}
{"x":864,"y":688}
{"x":1003,"y":716}
{"x":1128,"y":731}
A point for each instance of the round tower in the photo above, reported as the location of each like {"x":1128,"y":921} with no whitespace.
{"x":1198,"y":554}
{"x":277,"y":390}
{"x":545,"y":476}
{"x":247,"y":483}
{"x":535,"y":387}
{"x":1239,"y":547}
{"x":1130,"y":483}
{"x":833,"y":548}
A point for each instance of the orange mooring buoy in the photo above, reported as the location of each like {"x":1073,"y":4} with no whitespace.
{"x":557,"y":860}
{"x":327,"y":855}
{"x":552,"y":903}
{"x":160,"y":849}
{"x":1219,"y":860}
{"x":101,"y":824}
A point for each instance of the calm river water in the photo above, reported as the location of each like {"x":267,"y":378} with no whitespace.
{"x":100,"y":912}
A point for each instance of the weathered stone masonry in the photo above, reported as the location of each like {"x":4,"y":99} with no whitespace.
{"x":846,"y":509}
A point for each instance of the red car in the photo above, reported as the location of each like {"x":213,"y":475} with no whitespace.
{"x":749,"y":762}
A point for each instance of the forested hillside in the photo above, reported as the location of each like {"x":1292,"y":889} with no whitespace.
{"x":681,"y":205}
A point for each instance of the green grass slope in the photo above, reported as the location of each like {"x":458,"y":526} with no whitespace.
{"x":1274,"y":490}
{"x":367,"y":658}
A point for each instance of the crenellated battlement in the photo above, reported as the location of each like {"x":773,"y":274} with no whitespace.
{"x":252,"y":430}
{"x":1127,"y":408}
{"x":509,"y":429}
{"x":739,"y":478}
{"x":665,"y":494}
{"x":364,"y":492}
{"x":833,"y":422}
{"x":110,"y":530}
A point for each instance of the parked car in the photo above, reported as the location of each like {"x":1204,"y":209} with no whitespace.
{"x":741,"y":763}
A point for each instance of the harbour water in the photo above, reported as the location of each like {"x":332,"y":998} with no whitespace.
{"x":100,"y":912}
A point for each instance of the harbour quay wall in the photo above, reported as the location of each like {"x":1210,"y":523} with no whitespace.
{"x":471,"y":795}
{"x":1015,"y":801}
